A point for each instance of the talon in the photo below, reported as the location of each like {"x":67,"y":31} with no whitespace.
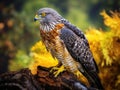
{"x":57,"y":70}
{"x":78,"y":74}
{"x":54,"y":69}
{"x":81,"y":77}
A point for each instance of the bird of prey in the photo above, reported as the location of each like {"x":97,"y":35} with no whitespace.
{"x":68,"y":44}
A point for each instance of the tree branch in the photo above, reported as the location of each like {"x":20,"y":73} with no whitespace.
{"x":43,"y":80}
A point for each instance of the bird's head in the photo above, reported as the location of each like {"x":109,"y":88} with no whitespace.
{"x":48,"y":18}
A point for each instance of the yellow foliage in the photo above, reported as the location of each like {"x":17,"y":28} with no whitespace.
{"x":41,"y":57}
{"x":112,"y":21}
{"x":105,"y":47}
{"x":118,"y":80}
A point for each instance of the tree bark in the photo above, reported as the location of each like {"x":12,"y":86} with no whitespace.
{"x":43,"y":80}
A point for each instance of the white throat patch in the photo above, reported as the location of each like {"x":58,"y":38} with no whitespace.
{"x":48,"y":27}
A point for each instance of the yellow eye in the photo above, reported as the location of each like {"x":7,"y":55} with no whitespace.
{"x":43,"y":14}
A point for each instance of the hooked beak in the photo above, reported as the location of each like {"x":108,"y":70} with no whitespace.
{"x":36,"y":17}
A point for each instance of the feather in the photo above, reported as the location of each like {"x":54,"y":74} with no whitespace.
{"x":82,"y":54}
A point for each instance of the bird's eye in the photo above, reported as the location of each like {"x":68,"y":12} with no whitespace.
{"x":43,"y":14}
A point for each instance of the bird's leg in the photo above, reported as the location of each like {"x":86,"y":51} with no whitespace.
{"x":57,"y":69}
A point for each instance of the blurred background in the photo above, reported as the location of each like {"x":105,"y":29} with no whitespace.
{"x":18,"y":31}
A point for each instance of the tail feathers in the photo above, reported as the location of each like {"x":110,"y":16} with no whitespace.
{"x":94,"y":80}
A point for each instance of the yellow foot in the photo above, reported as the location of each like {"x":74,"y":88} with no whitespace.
{"x":57,"y":70}
{"x":78,"y":74}
{"x":81,"y":77}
